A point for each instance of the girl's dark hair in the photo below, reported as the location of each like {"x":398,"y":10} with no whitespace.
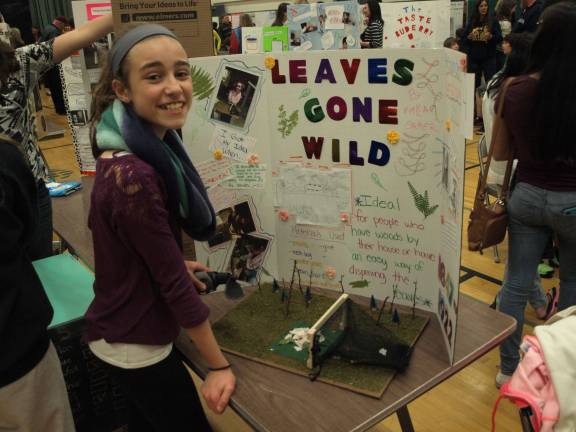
{"x":103,"y":97}
{"x":553,"y":56}
{"x":375,"y":13}
{"x":516,"y":61}
{"x":504,"y":9}
{"x":449,"y":42}
{"x":477,"y":20}
{"x":8,"y":63}
{"x":281,"y":14}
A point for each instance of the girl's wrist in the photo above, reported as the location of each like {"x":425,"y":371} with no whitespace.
{"x":221,"y":368}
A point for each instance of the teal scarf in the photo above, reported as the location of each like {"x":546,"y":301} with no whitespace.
{"x":120,"y":128}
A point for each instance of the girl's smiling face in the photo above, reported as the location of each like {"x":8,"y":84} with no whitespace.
{"x":483,"y":8}
{"x":159,"y":85}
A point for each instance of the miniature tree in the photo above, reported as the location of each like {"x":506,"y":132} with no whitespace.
{"x":414,"y":300}
{"x":394,"y":291}
{"x":396,"y":317}
{"x":308,"y":296}
{"x":299,"y":281}
{"x":373,"y":305}
{"x":288,"y":299}
{"x":293,"y":274}
{"x":381,"y":310}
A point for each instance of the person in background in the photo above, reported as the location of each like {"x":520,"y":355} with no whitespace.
{"x":482,"y":35}
{"x":529,"y":16}
{"x":52,"y":78}
{"x":452,"y":43}
{"x":539,"y":116}
{"x":217,"y":39}
{"x":35,"y":33}
{"x":20,"y":71}
{"x":146,"y":191}
{"x":372,"y":35}
{"x":281,"y":15}
{"x":505,"y":15}
{"x":33,"y":394}
{"x":517,"y":49}
{"x":16,"y":38}
{"x":225,"y":31}
{"x":236,"y":36}
{"x":459,"y":35}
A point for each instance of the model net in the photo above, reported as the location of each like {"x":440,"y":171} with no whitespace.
{"x":351,"y":334}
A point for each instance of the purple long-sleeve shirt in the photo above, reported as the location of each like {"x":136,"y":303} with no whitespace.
{"x":143,"y":292}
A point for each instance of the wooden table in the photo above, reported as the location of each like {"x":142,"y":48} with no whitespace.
{"x":273,"y":400}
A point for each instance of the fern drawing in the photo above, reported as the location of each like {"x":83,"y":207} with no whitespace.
{"x":286,"y":123}
{"x":422,"y":202}
{"x":202,"y":83}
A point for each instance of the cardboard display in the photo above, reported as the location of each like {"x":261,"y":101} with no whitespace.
{"x":191,"y":20}
{"x":349,"y":163}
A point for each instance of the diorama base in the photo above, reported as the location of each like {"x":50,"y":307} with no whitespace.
{"x":253,"y":329}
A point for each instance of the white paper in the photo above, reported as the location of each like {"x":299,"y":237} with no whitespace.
{"x":245,"y":176}
{"x":334,"y":16}
{"x":213,"y":172}
{"x":316,"y":197}
{"x":252,"y":40}
{"x":234,"y":145}
{"x":221,"y":197}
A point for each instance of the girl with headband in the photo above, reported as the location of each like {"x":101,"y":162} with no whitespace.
{"x":145,"y":192}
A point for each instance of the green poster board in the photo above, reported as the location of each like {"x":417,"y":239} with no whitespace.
{"x":68,"y":285}
{"x":275,"y":39}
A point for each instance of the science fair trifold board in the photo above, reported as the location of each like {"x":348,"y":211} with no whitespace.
{"x":349,"y":163}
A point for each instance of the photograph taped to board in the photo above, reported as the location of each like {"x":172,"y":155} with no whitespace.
{"x":96,"y":53}
{"x":231,"y":222}
{"x":235,"y":101}
{"x":247,"y":257}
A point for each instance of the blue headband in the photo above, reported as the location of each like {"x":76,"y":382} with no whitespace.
{"x":125,"y":43}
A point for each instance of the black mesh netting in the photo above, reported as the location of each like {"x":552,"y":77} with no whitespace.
{"x":352,"y":334}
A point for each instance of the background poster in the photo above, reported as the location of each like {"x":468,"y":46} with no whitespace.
{"x":421,"y":24}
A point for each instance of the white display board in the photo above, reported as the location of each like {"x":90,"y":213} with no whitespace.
{"x":359,"y":173}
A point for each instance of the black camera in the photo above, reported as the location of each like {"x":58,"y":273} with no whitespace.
{"x":213,"y":280}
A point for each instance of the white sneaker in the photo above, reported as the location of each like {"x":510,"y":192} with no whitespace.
{"x":501,"y":379}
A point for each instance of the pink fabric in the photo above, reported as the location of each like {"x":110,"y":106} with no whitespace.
{"x":531,"y":385}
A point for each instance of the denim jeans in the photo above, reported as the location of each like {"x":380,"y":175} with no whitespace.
{"x":535,"y":214}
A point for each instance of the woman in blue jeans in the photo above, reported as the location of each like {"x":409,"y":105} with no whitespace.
{"x":540,"y":117}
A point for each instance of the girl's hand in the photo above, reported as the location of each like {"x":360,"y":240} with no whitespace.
{"x":194,"y":266}
{"x":217,"y":389}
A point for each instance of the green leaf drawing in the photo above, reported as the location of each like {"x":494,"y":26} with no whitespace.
{"x":422,"y":202}
{"x":359,"y":284}
{"x":202,"y":83}
{"x":376,"y":180}
{"x":286,"y":123}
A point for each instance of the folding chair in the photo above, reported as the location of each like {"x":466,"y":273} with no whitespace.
{"x":492,"y":189}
